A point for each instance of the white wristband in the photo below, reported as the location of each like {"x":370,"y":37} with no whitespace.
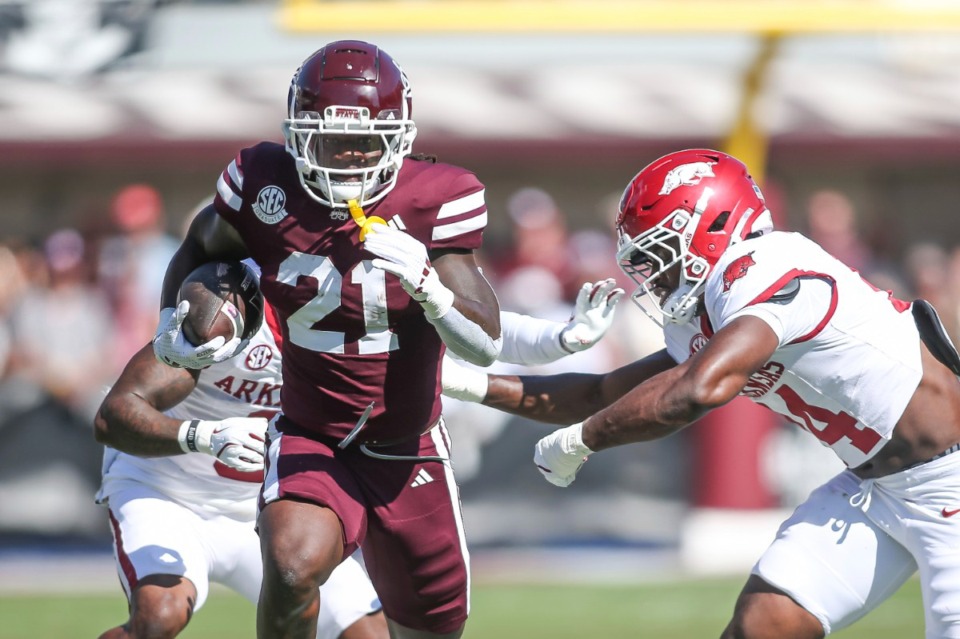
{"x":439,"y":299}
{"x":572,"y":440}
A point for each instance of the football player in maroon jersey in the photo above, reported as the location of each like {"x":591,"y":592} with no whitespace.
{"x":746,"y":310}
{"x":359,"y":456}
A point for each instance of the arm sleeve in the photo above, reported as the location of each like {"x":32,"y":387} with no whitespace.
{"x":530,"y":341}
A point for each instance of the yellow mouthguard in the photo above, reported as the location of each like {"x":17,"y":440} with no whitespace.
{"x":364,"y":222}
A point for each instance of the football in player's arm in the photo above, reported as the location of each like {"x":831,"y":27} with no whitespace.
{"x":747,"y":310}
{"x":181,"y":477}
{"x":367,"y":255}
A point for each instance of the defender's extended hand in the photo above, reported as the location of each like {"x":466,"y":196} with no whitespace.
{"x":592,"y":316}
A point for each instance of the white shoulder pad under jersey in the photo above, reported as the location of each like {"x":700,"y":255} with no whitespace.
{"x":849,"y":355}
{"x":246,"y":385}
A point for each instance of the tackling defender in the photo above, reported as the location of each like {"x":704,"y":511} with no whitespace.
{"x":181,"y":520}
{"x":770,"y":315}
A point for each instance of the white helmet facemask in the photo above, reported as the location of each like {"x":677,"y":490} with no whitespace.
{"x":376,"y":149}
{"x":649,"y":256}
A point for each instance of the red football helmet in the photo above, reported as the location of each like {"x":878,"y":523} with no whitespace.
{"x":685,"y":209}
{"x":349,"y":123}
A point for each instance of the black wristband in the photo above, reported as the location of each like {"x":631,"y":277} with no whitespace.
{"x":563,"y":345}
{"x":191,"y":436}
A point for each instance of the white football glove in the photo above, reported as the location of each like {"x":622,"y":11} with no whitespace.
{"x":406,"y":257}
{"x":460,"y":382}
{"x":173,"y":349}
{"x":592,"y":316}
{"x":236,"y":441}
{"x":560,"y":455}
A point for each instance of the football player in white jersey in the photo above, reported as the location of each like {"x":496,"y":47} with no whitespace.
{"x":747,"y":310}
{"x":181,"y":520}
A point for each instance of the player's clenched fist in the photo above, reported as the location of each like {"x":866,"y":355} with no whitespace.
{"x":560,"y":455}
{"x":236,"y":441}
{"x":406,"y":257}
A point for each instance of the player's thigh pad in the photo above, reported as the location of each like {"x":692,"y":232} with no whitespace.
{"x":347,"y":597}
{"x":303,"y":467}
{"x":832,"y":559}
{"x":155,"y":536}
{"x":415,"y":550}
{"x":405,"y":513}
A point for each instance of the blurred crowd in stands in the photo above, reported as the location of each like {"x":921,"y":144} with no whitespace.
{"x":77,"y":303}
{"x":68,"y":39}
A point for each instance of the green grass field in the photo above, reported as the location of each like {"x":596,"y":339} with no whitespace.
{"x":681,"y":610}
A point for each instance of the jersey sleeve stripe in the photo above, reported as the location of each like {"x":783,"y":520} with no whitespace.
{"x":227,"y":194}
{"x":236,"y":174}
{"x":462,"y":205}
{"x":446,"y":231}
{"x":795,"y":273}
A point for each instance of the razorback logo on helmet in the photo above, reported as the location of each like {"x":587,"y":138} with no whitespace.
{"x":686,"y":175}
{"x":737,"y":269}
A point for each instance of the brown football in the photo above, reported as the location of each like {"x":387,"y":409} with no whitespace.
{"x":217,"y":306}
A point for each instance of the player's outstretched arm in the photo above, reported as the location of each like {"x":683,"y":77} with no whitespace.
{"x":554,"y":399}
{"x":455,"y":296}
{"x":131,"y":418}
{"x":209,"y":238}
{"x":663,"y":403}
{"x":531,"y":341}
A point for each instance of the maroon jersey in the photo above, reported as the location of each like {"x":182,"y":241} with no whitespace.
{"x":351,"y":334}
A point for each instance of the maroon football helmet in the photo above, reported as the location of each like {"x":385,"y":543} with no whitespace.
{"x":685,"y":208}
{"x":349,"y":123}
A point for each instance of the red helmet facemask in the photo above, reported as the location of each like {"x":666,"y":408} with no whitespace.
{"x":677,"y":217}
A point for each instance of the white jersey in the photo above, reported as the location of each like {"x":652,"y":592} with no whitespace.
{"x":849,"y":355}
{"x":243,"y":386}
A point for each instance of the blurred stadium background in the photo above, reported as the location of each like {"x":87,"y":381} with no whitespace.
{"x":116,"y":117}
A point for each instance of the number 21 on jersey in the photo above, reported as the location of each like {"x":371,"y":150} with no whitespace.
{"x":378,"y":338}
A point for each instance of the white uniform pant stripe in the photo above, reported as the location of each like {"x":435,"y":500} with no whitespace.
{"x":441,"y":439}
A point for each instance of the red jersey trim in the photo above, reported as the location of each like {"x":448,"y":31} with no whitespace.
{"x":705,"y":326}
{"x":898,"y":304}
{"x":792,"y":274}
{"x":273,"y":323}
{"x":125,"y":564}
